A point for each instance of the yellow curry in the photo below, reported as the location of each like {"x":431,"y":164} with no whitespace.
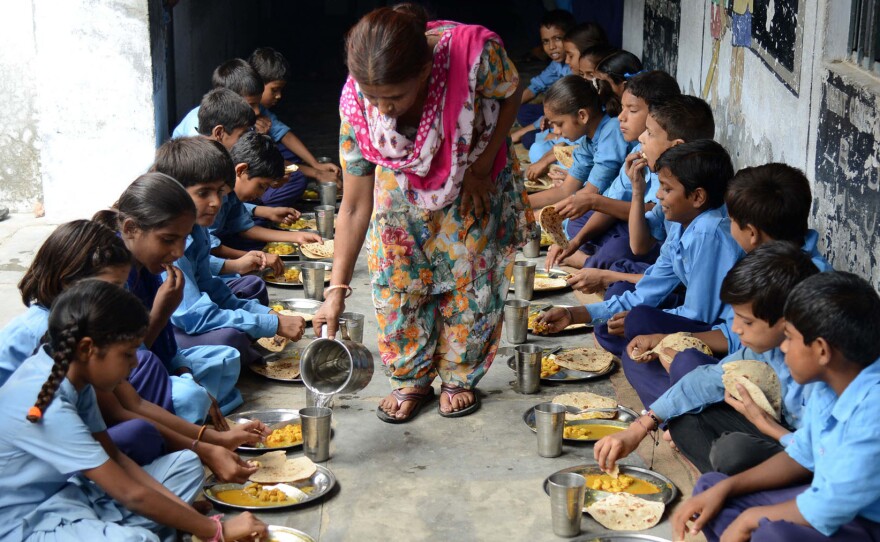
{"x":549,"y":367}
{"x":253,"y":495}
{"x":310,"y":194}
{"x":286,"y":436}
{"x":623,"y":482}
{"x":290,"y":275}
{"x":281,"y":249}
{"x":589,"y":431}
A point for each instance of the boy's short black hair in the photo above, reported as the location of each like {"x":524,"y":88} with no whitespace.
{"x":654,"y":87}
{"x":774,"y":198}
{"x":269,"y":64}
{"x":558,"y":18}
{"x":841,"y":308}
{"x":223,"y":107}
{"x":239,"y":77}
{"x":195,"y":160}
{"x":699,"y":164}
{"x":764,"y":278}
{"x":685,"y":117}
{"x":261,"y":155}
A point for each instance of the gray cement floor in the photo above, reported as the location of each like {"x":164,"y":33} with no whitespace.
{"x":474,"y":478}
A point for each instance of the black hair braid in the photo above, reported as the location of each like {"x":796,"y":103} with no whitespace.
{"x":62,"y":352}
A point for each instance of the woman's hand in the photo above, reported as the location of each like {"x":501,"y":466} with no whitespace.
{"x":588,"y":280}
{"x":615,"y":324}
{"x":291,"y":327}
{"x":169,"y":294}
{"x":476,"y":189}
{"x":243,"y":526}
{"x":328,"y":314}
{"x":609,"y":449}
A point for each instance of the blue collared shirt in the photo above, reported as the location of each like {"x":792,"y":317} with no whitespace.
{"x":703,"y":387}
{"x":598,"y":159}
{"x":232,"y":218}
{"x":840,"y":442}
{"x":621,"y":187}
{"x":698,"y":257}
{"x":552,"y":73}
{"x":658,"y":226}
{"x":20,"y":337}
{"x":208,"y":303}
{"x":189,"y":126}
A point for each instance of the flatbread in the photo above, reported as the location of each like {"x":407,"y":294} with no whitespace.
{"x":541,"y":183}
{"x":273,"y":344}
{"x":304,"y":316}
{"x":759,"y":379}
{"x":626,"y":512}
{"x":317,"y":250}
{"x":585,"y":399}
{"x":551,"y":222}
{"x":276,"y":468}
{"x":286,"y":369}
{"x":678,"y":342}
{"x":565,"y":154}
{"x":592,"y":360}
{"x":549,"y":283}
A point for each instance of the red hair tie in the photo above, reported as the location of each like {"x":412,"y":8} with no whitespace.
{"x":35,"y":412}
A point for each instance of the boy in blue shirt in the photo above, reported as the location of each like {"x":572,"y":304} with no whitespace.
{"x":224,"y":116}
{"x":210,"y":313}
{"x":824,"y":486}
{"x":258,"y":163}
{"x":698,"y":253}
{"x":711,"y":433}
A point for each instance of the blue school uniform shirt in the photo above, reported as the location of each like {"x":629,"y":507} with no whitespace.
{"x":552,"y":73}
{"x":208,"y":303}
{"x":839,"y":442}
{"x":658,"y":226}
{"x":232,"y":218}
{"x":189,"y":125}
{"x":621,"y":187}
{"x":38,"y":459}
{"x":703,"y":387}
{"x":698,"y":257}
{"x":598,"y":159}
{"x":20,"y":337}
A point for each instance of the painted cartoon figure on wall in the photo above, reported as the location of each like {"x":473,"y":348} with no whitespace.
{"x":736,"y":15}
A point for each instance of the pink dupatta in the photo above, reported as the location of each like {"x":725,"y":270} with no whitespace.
{"x":430,"y":169}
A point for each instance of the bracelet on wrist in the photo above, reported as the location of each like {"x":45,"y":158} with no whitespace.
{"x":346,"y":287}
{"x":218,"y":535}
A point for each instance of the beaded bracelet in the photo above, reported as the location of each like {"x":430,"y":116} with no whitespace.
{"x":339,"y":287}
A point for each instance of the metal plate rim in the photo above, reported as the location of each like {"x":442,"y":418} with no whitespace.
{"x":580,"y":376}
{"x":620,"y":537}
{"x":528,"y":418}
{"x":309,"y":496}
{"x":255,"y":414}
{"x":624,"y":469}
{"x":275,"y":529}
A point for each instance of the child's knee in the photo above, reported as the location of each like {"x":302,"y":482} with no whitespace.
{"x":707,"y":481}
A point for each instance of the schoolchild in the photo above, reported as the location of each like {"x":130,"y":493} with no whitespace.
{"x":224,"y":116}
{"x":62,"y":476}
{"x":258,"y":163}
{"x":590,"y":58}
{"x":718,"y":433}
{"x":210,"y":313}
{"x":697,"y":254}
{"x":824,"y":485}
{"x":611,"y":74}
{"x":572,"y":107}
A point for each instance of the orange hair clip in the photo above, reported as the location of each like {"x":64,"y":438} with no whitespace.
{"x":35,"y":412}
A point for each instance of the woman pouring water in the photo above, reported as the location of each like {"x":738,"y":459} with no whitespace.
{"x":425,"y":115}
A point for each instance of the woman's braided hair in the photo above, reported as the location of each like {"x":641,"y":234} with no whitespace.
{"x":90,"y":308}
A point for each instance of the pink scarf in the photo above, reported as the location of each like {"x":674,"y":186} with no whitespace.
{"x":429,"y":169}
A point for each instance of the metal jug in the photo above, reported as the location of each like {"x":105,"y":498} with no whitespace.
{"x":336,"y":366}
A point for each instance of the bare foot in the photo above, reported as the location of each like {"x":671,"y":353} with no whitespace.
{"x":390,"y":407}
{"x":460,"y":401}
{"x":667,"y":436}
{"x":578,"y":259}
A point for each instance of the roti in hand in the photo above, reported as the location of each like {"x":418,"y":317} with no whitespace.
{"x":276,"y":468}
{"x":583,"y":400}
{"x":588,"y":359}
{"x":760,"y":381}
{"x":626,"y":512}
{"x":551,"y":222}
{"x":304,"y":316}
{"x":678,"y":342}
{"x":565,"y":154}
{"x":273,"y":344}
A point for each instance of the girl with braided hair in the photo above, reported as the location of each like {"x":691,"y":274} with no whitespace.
{"x":61,"y":477}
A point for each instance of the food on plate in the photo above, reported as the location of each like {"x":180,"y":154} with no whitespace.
{"x":285,"y":369}
{"x":291,"y":275}
{"x":624,"y":482}
{"x":276,"y":467}
{"x":583,"y":400}
{"x":280,"y":249}
{"x":536,"y":325}
{"x":589,"y":431}
{"x":759,"y":380}
{"x":254,"y":495}
{"x":318,"y":250}
{"x":288,"y":435}
{"x":549,"y":366}
{"x":273,"y":344}
{"x":310,"y":194}
{"x":678,"y":342}
{"x":587,"y":359}
{"x":305,"y":316}
{"x":300,"y":224}
{"x":551,"y":222}
{"x":626,"y":512}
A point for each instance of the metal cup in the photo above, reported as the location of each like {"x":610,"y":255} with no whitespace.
{"x":316,"y":432}
{"x":516,"y":320}
{"x":532,"y":249}
{"x":328,"y":193}
{"x":549,"y":421}
{"x":528,"y":368}
{"x":351,"y":326}
{"x":567,"y":492}
{"x":324,"y":217}
{"x":524,"y":279}
{"x":313,"y":279}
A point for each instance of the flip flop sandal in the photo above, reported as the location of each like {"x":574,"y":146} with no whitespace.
{"x":451,"y":392}
{"x":420,"y":400}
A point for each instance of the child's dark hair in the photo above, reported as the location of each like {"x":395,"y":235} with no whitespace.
{"x":619,"y":66}
{"x":153,"y":200}
{"x":699,"y":164}
{"x":195,"y":160}
{"x":74,"y":251}
{"x":586,"y":35}
{"x":685,"y":117}
{"x":260,"y":154}
{"x":599,"y":52}
{"x":239,"y":77}
{"x":570,"y":94}
{"x":654,"y":87}
{"x":223,"y":107}
{"x":104,"y":312}
{"x":765,"y":277}
{"x":388,"y":45}
{"x":558,"y":18}
{"x":269,"y":64}
{"x":774,"y":198}
{"x":843,"y":309}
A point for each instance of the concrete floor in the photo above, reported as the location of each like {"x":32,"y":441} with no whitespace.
{"x":472,"y":478}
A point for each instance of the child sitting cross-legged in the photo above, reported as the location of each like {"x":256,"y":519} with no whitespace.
{"x":825,"y":485}
{"x":711,"y":433}
{"x":63,"y":478}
